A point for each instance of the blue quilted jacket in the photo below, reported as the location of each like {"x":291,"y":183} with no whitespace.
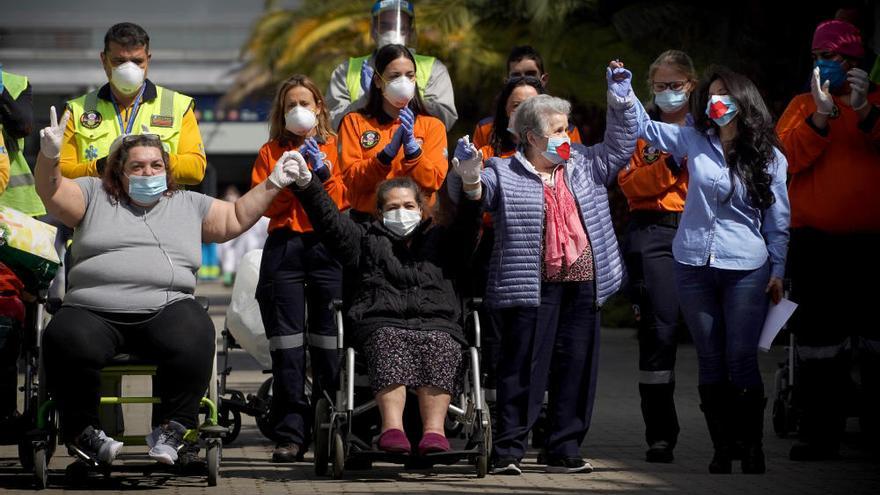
{"x":513,"y":194}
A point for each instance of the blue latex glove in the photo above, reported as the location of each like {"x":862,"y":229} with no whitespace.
{"x":393,"y":147}
{"x":619,"y":81}
{"x":464,"y":149}
{"x":315,"y":158}
{"x":407,"y":121}
{"x":366,"y":77}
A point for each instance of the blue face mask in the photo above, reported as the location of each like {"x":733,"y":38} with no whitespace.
{"x":146,"y":189}
{"x":832,"y":71}
{"x":558,"y":149}
{"x":669,"y":100}
{"x":721,"y":109}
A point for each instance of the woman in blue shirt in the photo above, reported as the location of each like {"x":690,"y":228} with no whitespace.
{"x":730,"y":251}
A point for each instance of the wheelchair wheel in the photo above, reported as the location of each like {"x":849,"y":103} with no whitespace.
{"x":212,"y":459}
{"x":41,"y":467}
{"x":338,"y":450}
{"x":230,"y":419}
{"x":483,"y":459}
{"x":264,"y":396}
{"x":321,"y":436}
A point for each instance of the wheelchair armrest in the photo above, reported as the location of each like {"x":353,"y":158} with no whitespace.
{"x":474,"y":303}
{"x":204,"y":302}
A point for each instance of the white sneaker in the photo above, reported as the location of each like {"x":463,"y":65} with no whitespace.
{"x":167,"y":440}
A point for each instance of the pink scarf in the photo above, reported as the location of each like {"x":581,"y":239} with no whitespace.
{"x":564,"y":236}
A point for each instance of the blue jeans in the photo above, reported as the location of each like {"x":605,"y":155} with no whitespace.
{"x":724,"y":311}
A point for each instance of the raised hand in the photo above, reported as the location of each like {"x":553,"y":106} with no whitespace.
{"x":821,"y":95}
{"x":366,"y":77}
{"x":858,"y":83}
{"x":291,"y":168}
{"x":408,"y":122}
{"x":52,"y":136}
{"x":467,"y":161}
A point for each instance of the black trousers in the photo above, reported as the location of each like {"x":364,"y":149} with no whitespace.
{"x":296,"y":268}
{"x":78,"y":342}
{"x":825,"y":270}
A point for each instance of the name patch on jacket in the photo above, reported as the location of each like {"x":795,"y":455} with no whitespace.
{"x":369,"y":139}
{"x":650,"y":154}
{"x":90,"y":120}
{"x":161,"y":121}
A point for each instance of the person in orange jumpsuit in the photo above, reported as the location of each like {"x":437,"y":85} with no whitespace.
{"x":296,"y":266}
{"x":392,"y":136}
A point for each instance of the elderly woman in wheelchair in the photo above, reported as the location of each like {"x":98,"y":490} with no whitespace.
{"x":402,"y":305}
{"x":130,"y":283}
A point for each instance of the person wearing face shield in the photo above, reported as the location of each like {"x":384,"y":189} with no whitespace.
{"x":392,"y":24}
{"x":131,"y":103}
{"x":831,"y":137}
{"x":392,"y":136}
{"x":655,"y":185}
{"x":523,"y":61}
{"x":297,"y":267}
{"x":730,"y":249}
{"x":404,"y":310}
{"x":554,"y":263}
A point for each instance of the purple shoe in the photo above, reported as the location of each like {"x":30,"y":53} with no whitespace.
{"x":394,"y":441}
{"x":432,"y":443}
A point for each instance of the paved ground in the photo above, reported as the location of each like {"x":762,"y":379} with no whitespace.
{"x":614,"y":446}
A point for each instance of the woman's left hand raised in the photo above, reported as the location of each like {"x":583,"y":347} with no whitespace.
{"x":619,"y":83}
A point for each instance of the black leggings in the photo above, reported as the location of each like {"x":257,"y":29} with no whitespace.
{"x":78,"y":343}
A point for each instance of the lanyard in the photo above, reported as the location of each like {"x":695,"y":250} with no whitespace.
{"x":126,"y":129}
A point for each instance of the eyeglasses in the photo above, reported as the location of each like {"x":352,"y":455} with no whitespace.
{"x":663,"y":86}
{"x":532,"y":80}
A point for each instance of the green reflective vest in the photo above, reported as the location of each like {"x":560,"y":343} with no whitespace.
{"x":96,"y":126}
{"x":20,"y":193}
{"x":424,"y":64}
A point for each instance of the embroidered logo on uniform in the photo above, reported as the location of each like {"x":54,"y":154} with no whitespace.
{"x":835,"y":112}
{"x":91,"y":120}
{"x":650,"y":154}
{"x":92,"y":152}
{"x":161,"y":121}
{"x":369,"y":139}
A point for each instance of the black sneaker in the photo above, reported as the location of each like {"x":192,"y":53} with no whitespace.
{"x":285,"y":453}
{"x":568,"y":465}
{"x":95,"y":446}
{"x":506,"y":465}
{"x":659,"y":452}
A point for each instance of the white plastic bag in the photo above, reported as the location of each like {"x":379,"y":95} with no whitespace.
{"x":243,"y":313}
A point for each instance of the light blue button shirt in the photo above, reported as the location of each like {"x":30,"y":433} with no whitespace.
{"x":714,"y":230}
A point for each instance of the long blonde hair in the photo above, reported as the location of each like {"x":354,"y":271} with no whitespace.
{"x":277,"y":130}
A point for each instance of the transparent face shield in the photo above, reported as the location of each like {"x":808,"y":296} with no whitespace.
{"x":392,"y":25}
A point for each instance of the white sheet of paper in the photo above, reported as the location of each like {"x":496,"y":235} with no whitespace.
{"x":777,"y":315}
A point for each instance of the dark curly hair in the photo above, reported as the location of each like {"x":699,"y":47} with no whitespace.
{"x":115,"y":169}
{"x":499,"y":138}
{"x":753,"y":147}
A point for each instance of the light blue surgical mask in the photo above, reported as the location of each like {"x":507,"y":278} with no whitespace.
{"x":831,"y":71}
{"x":670,"y":100}
{"x":558,"y":149}
{"x":146,"y":189}
{"x":721,"y":109}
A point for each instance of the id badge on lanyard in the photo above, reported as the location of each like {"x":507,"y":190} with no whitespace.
{"x":123,"y":128}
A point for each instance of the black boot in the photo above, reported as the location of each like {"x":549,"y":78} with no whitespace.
{"x":716,"y":406}
{"x":661,"y":421}
{"x":750,"y":404}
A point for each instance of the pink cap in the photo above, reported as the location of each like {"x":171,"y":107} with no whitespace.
{"x":839,"y":37}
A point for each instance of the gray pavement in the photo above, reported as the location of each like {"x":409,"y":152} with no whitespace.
{"x":615,"y":446}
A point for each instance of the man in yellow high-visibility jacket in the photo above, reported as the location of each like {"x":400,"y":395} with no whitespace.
{"x":131,"y":104}
{"x":16,"y":122}
{"x":392,"y":24}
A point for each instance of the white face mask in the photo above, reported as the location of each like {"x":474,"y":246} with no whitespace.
{"x":390,"y":38}
{"x":127,"y":78}
{"x":400,"y":91}
{"x":402,"y":221}
{"x":300,"y":120}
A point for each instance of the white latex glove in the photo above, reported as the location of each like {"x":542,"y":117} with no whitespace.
{"x":858,"y":83}
{"x":291,"y":168}
{"x":468,"y":161}
{"x":52,"y":136}
{"x":824,"y":102}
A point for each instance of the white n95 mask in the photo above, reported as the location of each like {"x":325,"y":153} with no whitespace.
{"x":300,"y":120}
{"x":400,"y":91}
{"x":127,"y":78}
